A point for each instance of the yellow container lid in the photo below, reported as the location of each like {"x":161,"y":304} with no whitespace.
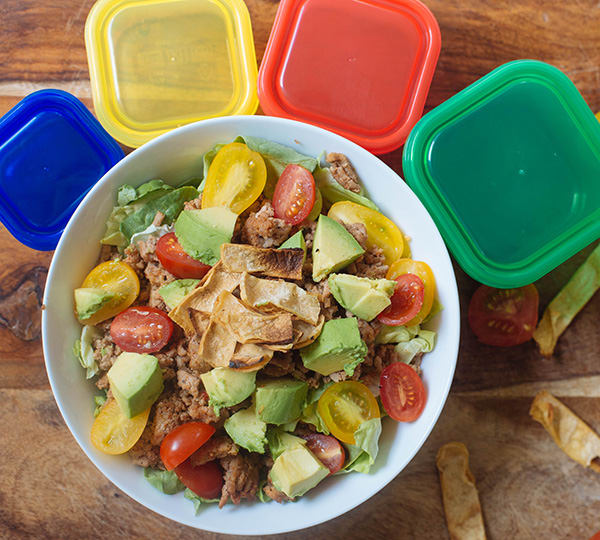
{"x":158,"y":64}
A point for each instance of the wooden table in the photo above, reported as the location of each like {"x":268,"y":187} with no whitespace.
{"x":528,"y":488}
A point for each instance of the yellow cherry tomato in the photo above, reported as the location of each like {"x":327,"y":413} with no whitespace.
{"x":118,"y":278}
{"x":235,"y":178}
{"x":381,"y":231}
{"x":421,"y":269}
{"x":114,"y":433}
{"x":346,"y":405}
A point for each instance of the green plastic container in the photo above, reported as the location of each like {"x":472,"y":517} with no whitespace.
{"x":509,"y":169}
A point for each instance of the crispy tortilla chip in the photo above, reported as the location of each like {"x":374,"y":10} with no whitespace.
{"x":307,"y":332}
{"x":199,"y":320}
{"x":217,"y":346}
{"x":572,"y":435}
{"x":567,"y":303}
{"x":250,"y":326}
{"x":459,"y":494}
{"x":282,"y":263}
{"x":261,"y":293}
{"x":250,"y":357}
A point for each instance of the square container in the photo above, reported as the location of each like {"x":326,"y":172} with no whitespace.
{"x":158,"y":64}
{"x":360,"y":68}
{"x":52,"y":151}
{"x":509,"y":168}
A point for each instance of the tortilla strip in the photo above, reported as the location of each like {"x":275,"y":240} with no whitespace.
{"x":572,"y":435}
{"x":282,"y":263}
{"x":308,"y":332}
{"x":567,"y":303}
{"x":258,"y":293}
{"x":250,"y":357}
{"x":216,"y":348}
{"x":199,"y":320}
{"x":459,"y":493}
{"x":250,"y":326}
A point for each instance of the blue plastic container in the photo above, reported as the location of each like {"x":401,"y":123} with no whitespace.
{"x":52,"y":151}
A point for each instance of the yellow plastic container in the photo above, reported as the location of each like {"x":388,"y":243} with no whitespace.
{"x":158,"y":64}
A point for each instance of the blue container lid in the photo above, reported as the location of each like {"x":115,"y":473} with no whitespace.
{"x":52,"y":151}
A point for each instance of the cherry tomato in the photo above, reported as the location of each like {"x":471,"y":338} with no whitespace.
{"x":204,"y":480}
{"x":344,"y":406}
{"x":504,"y":317}
{"x":141,"y":329}
{"x":114,"y":433}
{"x":402,"y":392}
{"x":182,"y":442}
{"x":381,"y":231}
{"x":235,"y":179}
{"x":328,"y":450}
{"x":178,"y":262}
{"x":407,"y":301}
{"x":421,"y":269}
{"x":597,"y":535}
{"x":294,"y":195}
{"x":118,"y":278}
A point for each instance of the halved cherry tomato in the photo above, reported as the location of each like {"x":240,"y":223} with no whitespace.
{"x":504,"y":317}
{"x":381,"y":231}
{"x":205,"y":480}
{"x":346,"y":405}
{"x":183,"y":441}
{"x":235,"y":179}
{"x":118,"y":278}
{"x":402,"y":392}
{"x":114,"y":433}
{"x":421,"y":269}
{"x":178,"y":262}
{"x":294,"y":195}
{"x":328,"y":450}
{"x":407,"y":301}
{"x":141,"y":329}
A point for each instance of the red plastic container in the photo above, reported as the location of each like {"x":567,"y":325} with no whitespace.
{"x":361,"y":68}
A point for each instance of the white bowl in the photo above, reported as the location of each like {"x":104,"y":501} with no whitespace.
{"x":173,"y":157}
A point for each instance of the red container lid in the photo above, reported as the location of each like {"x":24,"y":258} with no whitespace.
{"x":360,"y":68}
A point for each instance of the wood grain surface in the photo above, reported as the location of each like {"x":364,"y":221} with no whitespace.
{"x":528,"y":488}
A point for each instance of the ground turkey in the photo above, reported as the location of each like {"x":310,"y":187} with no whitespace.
{"x":343,"y":171}
{"x":263,"y":229}
{"x":241,"y":478}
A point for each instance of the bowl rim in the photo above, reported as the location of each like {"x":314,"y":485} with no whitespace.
{"x":452,"y":290}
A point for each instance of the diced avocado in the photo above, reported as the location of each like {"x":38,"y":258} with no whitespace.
{"x":247,"y":430}
{"x":280,"y":441}
{"x":295,"y":241}
{"x":174,"y":292}
{"x":227,"y":387}
{"x":333,"y":248}
{"x":136,"y":381}
{"x":296,"y":471}
{"x":201,"y":232}
{"x":338,"y":347}
{"x":89,"y":300}
{"x":364,"y":297}
{"x":280,"y":401}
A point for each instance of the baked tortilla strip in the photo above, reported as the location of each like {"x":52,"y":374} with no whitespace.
{"x":261,"y":293}
{"x":281,"y":263}
{"x":216,"y":347}
{"x":459,"y":493}
{"x":250,"y":357}
{"x":308,"y":332}
{"x":572,"y":435}
{"x":567,"y":303}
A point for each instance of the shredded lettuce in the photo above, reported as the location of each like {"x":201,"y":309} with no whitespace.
{"x":198,"y":501}
{"x":333,"y":192}
{"x":262,"y":496}
{"x":99,"y":402}
{"x":310,"y":414}
{"x":435,"y":309}
{"x":166,"y":482}
{"x":423,"y":343}
{"x":396,"y":334}
{"x":363,"y":454}
{"x":83,"y":351}
{"x":280,"y":441}
{"x":113,"y":235}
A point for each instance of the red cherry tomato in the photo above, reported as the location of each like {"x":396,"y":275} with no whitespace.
{"x":402,"y":392}
{"x":182,"y":442}
{"x":205,"y":480}
{"x":504,"y":317}
{"x":294,"y":194}
{"x":328,"y":450}
{"x":141,"y":329}
{"x":178,"y":262}
{"x":407,"y":301}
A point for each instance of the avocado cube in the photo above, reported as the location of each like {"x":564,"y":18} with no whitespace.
{"x":135,"y":381}
{"x":280,"y":401}
{"x":333,"y":248}
{"x":227,"y":387}
{"x":174,"y":292}
{"x":295,"y":242}
{"x":89,"y":300}
{"x":296,"y":471}
{"x":280,"y":441}
{"x":366,"y":298}
{"x":247,"y":430}
{"x":339,"y":346}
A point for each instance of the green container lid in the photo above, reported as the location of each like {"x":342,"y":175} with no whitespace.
{"x":509,"y":169}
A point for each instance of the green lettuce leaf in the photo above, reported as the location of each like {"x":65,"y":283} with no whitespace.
{"x":333,"y":192}
{"x":99,"y":402}
{"x":363,"y":454}
{"x":113,"y":235}
{"x":166,"y":482}
{"x":310,"y":414}
{"x":280,"y":441}
{"x":198,"y":501}
{"x":435,"y":309}
{"x":262,"y":496}
{"x":128,"y":194}
{"x":396,"y":334}
{"x":423,"y":343}
{"x":83,"y":351}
